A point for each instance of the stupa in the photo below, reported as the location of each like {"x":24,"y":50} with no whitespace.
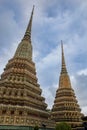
{"x":21,"y":100}
{"x":66,"y":108}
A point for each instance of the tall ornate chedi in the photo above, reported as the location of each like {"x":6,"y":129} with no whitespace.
{"x":21,"y":103}
{"x":66,"y":108}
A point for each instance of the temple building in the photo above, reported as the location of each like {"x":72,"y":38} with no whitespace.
{"x":66,"y":108}
{"x":21,"y":100}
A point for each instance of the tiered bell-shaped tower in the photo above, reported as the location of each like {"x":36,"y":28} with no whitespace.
{"x":21,"y":103}
{"x":66,"y":108}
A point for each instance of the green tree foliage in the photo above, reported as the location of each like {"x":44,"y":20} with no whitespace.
{"x":36,"y":128}
{"x":63,"y":126}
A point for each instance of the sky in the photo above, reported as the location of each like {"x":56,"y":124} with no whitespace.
{"x":53,"y":21}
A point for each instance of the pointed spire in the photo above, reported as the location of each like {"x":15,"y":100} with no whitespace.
{"x":27,"y":35}
{"x":63,"y":67}
{"x":24,"y":49}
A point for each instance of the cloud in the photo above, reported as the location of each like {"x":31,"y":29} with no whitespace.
{"x":49,"y":92}
{"x":49,"y":66}
{"x":83,"y":72}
